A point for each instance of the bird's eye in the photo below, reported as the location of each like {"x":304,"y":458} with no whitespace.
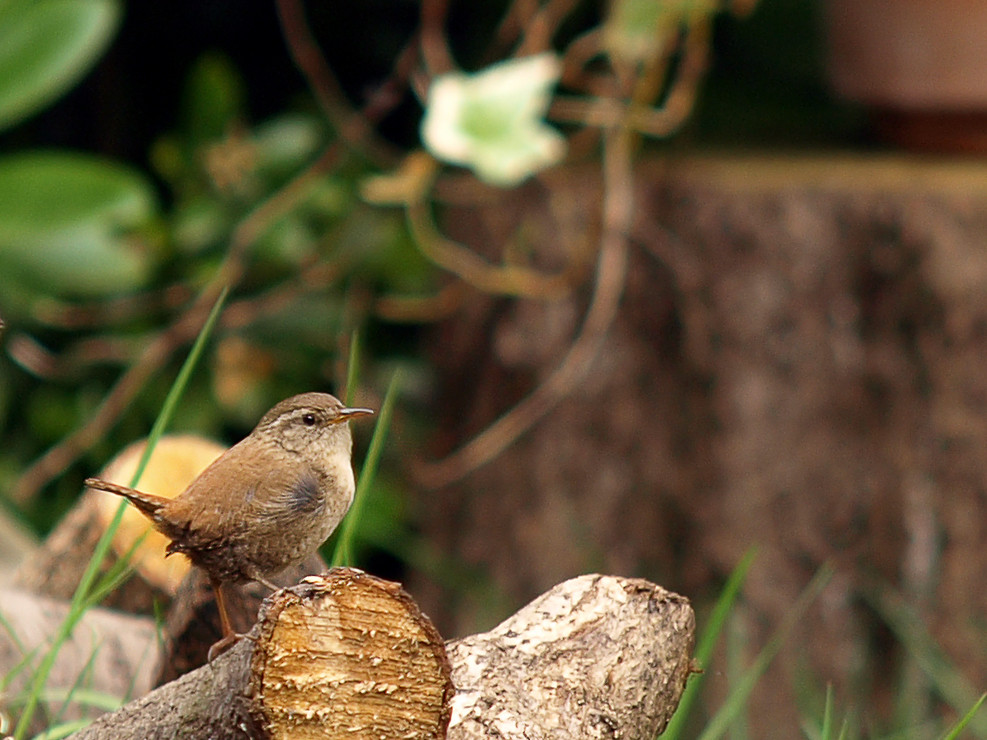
{"x":308,"y":420}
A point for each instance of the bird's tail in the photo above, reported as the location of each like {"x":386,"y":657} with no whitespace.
{"x":147,"y":503}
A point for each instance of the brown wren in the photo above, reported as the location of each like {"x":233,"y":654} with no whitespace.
{"x":266,"y":503}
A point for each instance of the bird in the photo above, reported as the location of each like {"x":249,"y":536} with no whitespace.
{"x":265,"y":504}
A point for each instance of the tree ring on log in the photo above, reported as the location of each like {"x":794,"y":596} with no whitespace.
{"x":346,"y":654}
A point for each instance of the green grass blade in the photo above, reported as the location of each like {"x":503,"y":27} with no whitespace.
{"x":844,"y":729}
{"x":737,"y":700}
{"x":115,"y":575}
{"x":19,"y":666}
{"x":77,"y":686}
{"x":80,"y":598}
{"x":967,"y":718}
{"x":827,"y":723}
{"x":736,"y":641}
{"x":907,"y":625}
{"x":343,"y":552}
{"x":9,"y":629}
{"x":64,"y":730}
{"x":178,"y":387}
{"x":707,"y":642}
{"x":352,"y":368}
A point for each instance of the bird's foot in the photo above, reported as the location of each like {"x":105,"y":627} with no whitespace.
{"x":222,"y":645}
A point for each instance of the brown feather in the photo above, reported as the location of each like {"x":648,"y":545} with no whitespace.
{"x":147,"y":503}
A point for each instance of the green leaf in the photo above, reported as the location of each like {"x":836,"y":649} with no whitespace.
{"x":214,"y":96}
{"x":64,"y":223}
{"x":287,"y":143}
{"x":46,"y":46}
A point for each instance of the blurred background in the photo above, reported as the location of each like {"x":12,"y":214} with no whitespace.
{"x":744,"y":313}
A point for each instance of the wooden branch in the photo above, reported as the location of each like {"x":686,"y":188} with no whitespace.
{"x":595,"y":657}
{"x":114,"y":653}
{"x":340,"y":655}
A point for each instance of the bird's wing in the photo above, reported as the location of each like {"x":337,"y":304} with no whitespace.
{"x":218,"y":505}
{"x":285,"y":499}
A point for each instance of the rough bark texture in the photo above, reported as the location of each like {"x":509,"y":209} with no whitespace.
{"x":341,"y":655}
{"x":123,"y":650}
{"x":595,"y":657}
{"x":797,"y":365}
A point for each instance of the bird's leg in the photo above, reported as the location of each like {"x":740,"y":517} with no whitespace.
{"x":229,"y":636}
{"x":264,"y":582}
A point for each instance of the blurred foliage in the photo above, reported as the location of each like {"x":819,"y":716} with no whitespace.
{"x":93,"y":264}
{"x":70,"y":227}
{"x":46,"y":46}
{"x":98,"y":256}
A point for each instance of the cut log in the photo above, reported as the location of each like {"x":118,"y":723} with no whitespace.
{"x":595,"y":657}
{"x":340,"y":655}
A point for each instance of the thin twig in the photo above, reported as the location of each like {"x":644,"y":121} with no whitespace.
{"x":611,"y":274}
{"x":310,"y":62}
{"x":307,"y":56}
{"x":435,"y":51}
{"x":117,"y":310}
{"x":65,"y":452}
{"x":578,"y":54}
{"x":421,"y":309}
{"x":354,"y":127}
{"x":660,"y":122}
{"x":473,"y":269}
{"x":541,"y":29}
{"x":517,"y":17}
{"x":38,"y":360}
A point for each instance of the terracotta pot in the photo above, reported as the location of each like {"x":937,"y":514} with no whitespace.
{"x":921,"y":65}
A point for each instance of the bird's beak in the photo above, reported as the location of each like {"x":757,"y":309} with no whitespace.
{"x":347,"y":414}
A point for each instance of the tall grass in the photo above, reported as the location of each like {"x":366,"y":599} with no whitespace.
{"x":88,"y":586}
{"x":945,"y":679}
{"x":344,"y":551}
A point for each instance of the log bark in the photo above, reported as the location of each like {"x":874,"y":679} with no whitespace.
{"x":192,"y":622}
{"x":595,"y":657}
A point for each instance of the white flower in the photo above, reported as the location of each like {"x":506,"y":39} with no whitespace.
{"x":491,"y":121}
